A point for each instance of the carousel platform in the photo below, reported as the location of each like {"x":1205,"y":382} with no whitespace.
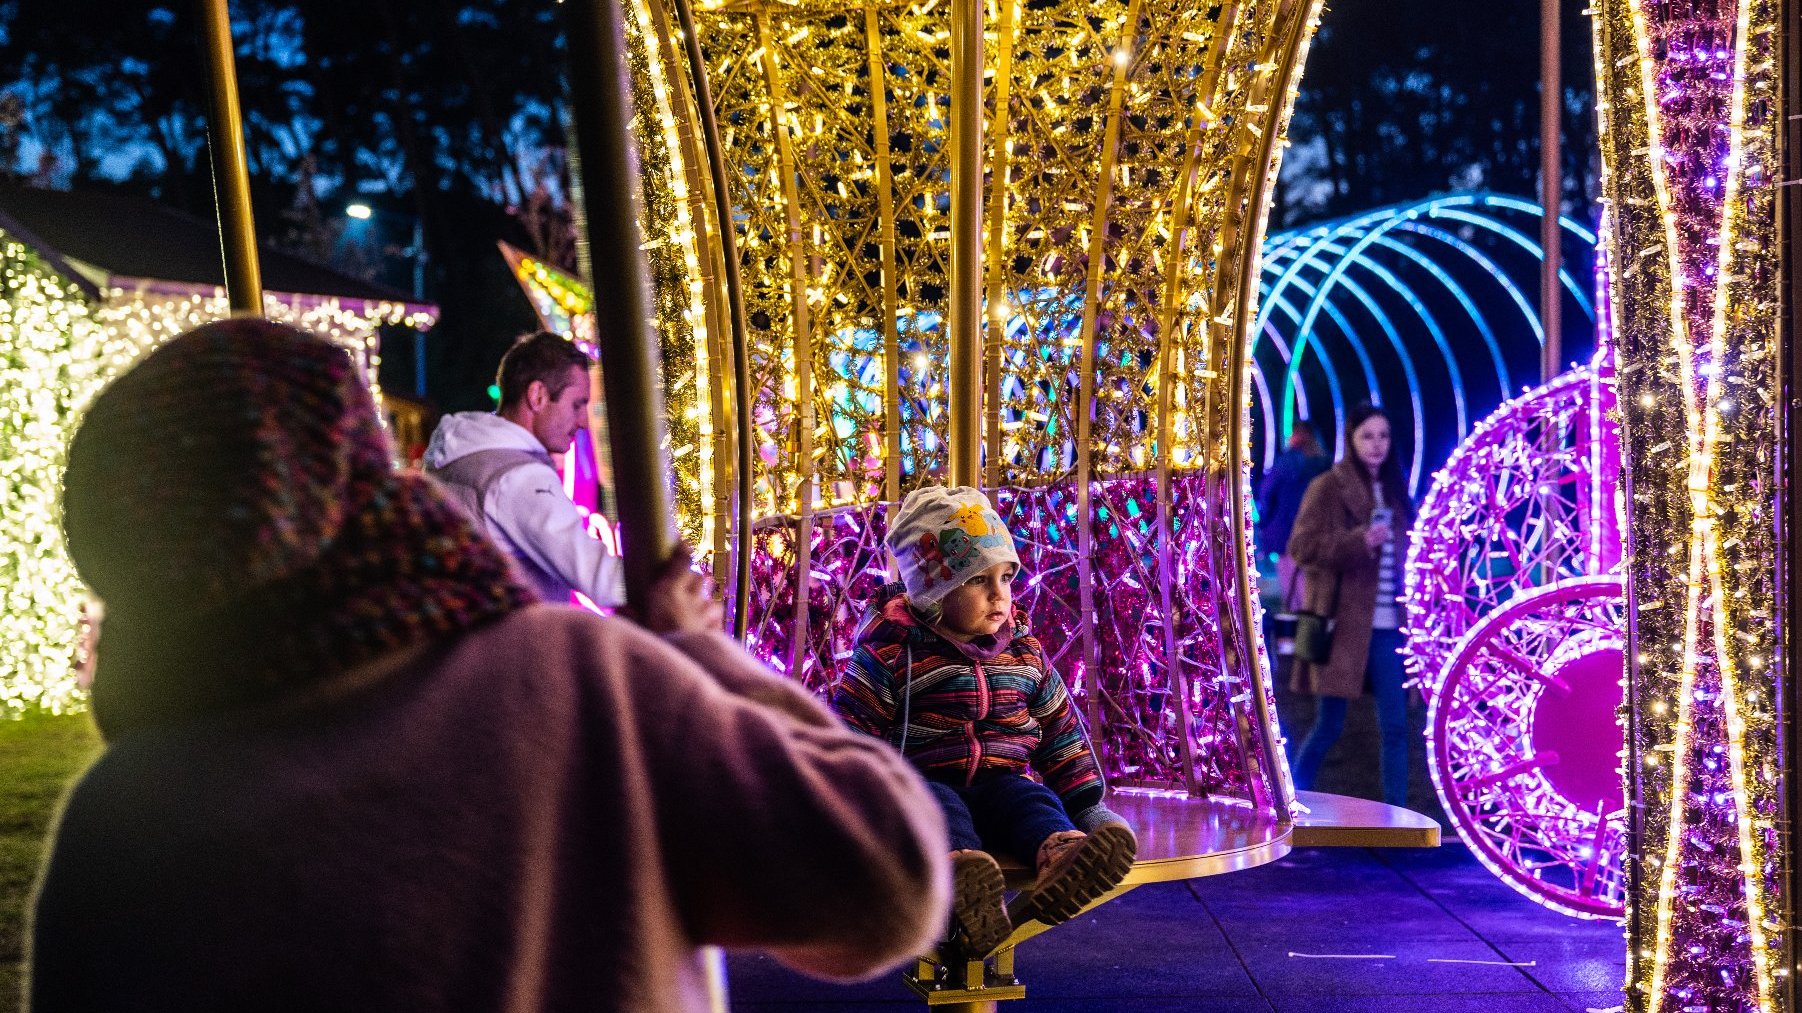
{"x":1373,"y":924}
{"x":1322,"y":930}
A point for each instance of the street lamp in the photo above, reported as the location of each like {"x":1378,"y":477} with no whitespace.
{"x":363,"y":212}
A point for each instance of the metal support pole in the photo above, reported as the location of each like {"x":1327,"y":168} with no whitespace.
{"x":1551,"y":202}
{"x":735,"y":304}
{"x":419,"y":256}
{"x":964,"y":384}
{"x":891,"y":297}
{"x":623,"y":334}
{"x":601,"y":101}
{"x":1789,"y":395}
{"x":231,"y":173}
{"x":999,"y":133}
{"x":1551,"y":189}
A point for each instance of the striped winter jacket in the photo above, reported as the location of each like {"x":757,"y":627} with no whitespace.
{"x":990,"y":705}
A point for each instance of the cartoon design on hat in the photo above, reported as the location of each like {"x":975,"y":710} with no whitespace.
{"x":976,"y":519}
{"x":951,"y":551}
{"x":932,"y":558}
{"x":941,"y":536}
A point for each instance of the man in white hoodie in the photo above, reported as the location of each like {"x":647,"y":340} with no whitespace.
{"x":498,"y":467}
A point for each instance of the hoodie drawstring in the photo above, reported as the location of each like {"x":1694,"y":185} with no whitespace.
{"x":907,"y":698}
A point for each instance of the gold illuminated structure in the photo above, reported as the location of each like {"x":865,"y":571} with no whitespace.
{"x":1006,"y":244}
{"x":1025,"y":256}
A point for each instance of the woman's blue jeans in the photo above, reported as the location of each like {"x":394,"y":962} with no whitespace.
{"x":1386,"y":675}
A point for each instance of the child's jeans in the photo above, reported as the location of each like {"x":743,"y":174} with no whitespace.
{"x":1008,"y":814}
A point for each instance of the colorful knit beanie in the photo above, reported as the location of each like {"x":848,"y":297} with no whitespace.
{"x":231,"y":500}
{"x":942,"y":537}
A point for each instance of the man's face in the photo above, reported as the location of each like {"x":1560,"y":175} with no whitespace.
{"x":557,"y":423}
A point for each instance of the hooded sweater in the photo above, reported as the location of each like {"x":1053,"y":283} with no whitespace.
{"x":549,"y":812}
{"x":991,"y":705}
{"x":527,"y":513}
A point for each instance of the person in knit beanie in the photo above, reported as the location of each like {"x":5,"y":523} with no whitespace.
{"x":945,"y":670}
{"x":232,"y":501}
{"x":351,"y":763}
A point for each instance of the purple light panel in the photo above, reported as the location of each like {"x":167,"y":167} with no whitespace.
{"x":1135,"y":702}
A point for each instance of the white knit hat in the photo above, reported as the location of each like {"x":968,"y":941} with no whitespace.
{"x":942,"y":537}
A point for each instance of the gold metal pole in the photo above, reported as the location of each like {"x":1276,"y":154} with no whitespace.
{"x":601,"y":102}
{"x":891,"y":299}
{"x":1175,"y":265}
{"x":964,"y":384}
{"x":999,"y":134}
{"x":1551,"y":189}
{"x":735,"y":302}
{"x":1221,"y":481}
{"x":231,"y":173}
{"x":1085,"y":394}
{"x":1282,"y":89}
{"x":802,"y":324}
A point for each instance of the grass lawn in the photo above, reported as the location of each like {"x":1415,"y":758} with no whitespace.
{"x":39,"y":756}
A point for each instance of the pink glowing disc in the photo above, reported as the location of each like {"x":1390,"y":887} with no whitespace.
{"x":1517,"y":630}
{"x":1575,"y":725}
{"x":1523,"y":745}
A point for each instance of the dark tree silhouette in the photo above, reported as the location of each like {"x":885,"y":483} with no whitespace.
{"x":447,"y":111}
{"x":1405,"y":98}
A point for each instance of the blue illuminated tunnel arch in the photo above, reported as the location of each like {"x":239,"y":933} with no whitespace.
{"x":1423,"y":308}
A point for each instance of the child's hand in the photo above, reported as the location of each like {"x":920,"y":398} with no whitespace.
{"x":681,"y":600}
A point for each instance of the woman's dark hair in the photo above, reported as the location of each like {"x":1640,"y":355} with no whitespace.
{"x":1395,"y":489}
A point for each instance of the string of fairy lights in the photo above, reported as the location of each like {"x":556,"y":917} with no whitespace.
{"x":692,"y":395}
{"x":1688,"y":121}
{"x":59,"y":345}
{"x":54,"y":357}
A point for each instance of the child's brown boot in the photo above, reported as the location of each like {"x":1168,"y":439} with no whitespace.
{"x":978,"y":915}
{"x":1074,"y":869}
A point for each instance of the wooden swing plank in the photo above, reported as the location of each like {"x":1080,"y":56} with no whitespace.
{"x":1337,"y":821}
{"x":1186,"y":838}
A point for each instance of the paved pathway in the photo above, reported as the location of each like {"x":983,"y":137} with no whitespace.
{"x":1448,"y":930}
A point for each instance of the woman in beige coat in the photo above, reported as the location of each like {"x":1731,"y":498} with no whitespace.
{"x":1349,"y":538}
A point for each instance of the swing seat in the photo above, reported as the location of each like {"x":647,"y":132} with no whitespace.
{"x":1182,"y":838}
{"x":1340,"y":821}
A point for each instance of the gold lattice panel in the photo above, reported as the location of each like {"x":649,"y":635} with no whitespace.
{"x":1128,"y":151}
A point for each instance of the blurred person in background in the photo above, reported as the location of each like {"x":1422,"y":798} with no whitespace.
{"x":1350,"y":537}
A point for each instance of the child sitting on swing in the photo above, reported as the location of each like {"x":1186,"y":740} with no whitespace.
{"x":945,"y":670}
